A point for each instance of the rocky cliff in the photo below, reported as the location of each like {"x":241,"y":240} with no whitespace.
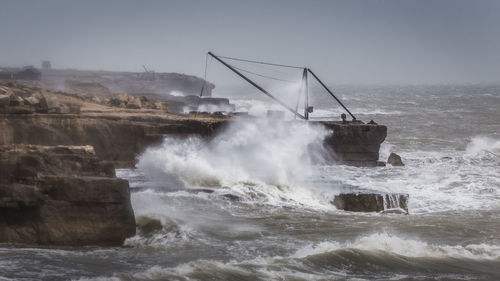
{"x":117,"y":134}
{"x":62,"y":195}
{"x":355,"y":143}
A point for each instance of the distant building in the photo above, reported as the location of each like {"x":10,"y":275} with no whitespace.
{"x":46,"y":65}
{"x":25,"y":73}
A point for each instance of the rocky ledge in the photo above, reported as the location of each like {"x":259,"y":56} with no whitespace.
{"x":355,"y":143}
{"x":30,"y":115}
{"x":372,"y":202}
{"x":62,"y":195}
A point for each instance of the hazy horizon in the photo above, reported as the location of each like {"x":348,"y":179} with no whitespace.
{"x":345,"y":42}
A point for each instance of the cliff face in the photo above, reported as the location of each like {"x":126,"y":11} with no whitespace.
{"x":118,"y":138}
{"x":54,"y":187}
{"x":356,"y":144}
{"x":62,"y":195}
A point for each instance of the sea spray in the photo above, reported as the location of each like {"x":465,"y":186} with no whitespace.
{"x":254,"y":150}
{"x":483,"y":146}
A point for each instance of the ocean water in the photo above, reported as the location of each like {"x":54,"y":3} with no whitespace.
{"x":282,"y":225}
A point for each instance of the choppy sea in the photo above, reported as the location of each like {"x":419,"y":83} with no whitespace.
{"x":282,"y":225}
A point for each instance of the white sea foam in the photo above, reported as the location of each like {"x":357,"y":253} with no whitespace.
{"x":435,"y":180}
{"x":261,"y":150}
{"x":281,"y":267}
{"x":261,"y":161}
{"x":393,"y":244}
{"x":177,"y":93}
{"x":483,"y":146}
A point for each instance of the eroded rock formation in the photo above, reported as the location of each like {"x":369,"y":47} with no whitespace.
{"x":355,"y":143}
{"x":62,"y":195}
{"x":371,"y":202}
{"x":395,"y":160}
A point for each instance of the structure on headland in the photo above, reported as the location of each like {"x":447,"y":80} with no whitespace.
{"x":304,"y":84}
{"x":25,"y":73}
{"x":351,"y":142}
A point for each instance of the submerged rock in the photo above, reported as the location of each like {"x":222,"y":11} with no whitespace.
{"x":231,"y":197}
{"x":395,"y":160}
{"x":371,"y":202}
{"x":147,"y":225}
{"x":62,"y":195}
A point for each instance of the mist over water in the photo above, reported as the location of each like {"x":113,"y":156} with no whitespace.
{"x":252,"y":150}
{"x":253,"y":203}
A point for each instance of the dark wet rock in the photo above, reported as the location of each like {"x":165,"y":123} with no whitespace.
{"x":62,"y":195}
{"x":4,"y":100}
{"x":147,"y":225}
{"x":202,"y":190}
{"x":370,"y":202}
{"x":354,"y":143}
{"x":395,"y":160}
{"x":231,"y":197}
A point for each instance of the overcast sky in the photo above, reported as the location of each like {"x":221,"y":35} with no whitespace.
{"x":344,"y":41}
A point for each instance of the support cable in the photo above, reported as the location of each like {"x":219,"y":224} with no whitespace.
{"x":257,"y":86}
{"x":264,"y":76}
{"x":262,"y":62}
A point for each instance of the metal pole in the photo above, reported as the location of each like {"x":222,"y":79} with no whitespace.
{"x":302,"y":83}
{"x":257,"y":86}
{"x":328,"y":90}
{"x":306,"y":92}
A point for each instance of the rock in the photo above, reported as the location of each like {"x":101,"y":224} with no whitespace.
{"x":96,"y":99}
{"x":4,"y":90}
{"x":231,"y":197}
{"x":119,"y":140}
{"x":123,"y":97}
{"x":370,"y":202}
{"x":147,"y":225}
{"x":69,"y":109}
{"x":16,"y":100}
{"x":354,"y":143}
{"x":395,"y":160}
{"x":62,"y":195}
{"x":20,"y":109}
{"x":134,"y":103}
{"x":4,"y":100}
{"x":33,"y":99}
{"x":160,"y":105}
{"x":43,"y":106}
{"x":53,"y":105}
{"x":116,"y":102}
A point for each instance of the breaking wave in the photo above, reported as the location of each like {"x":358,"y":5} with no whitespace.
{"x":259,"y":150}
{"x":337,"y":260}
{"x":393,"y":244}
{"x":481,"y":146}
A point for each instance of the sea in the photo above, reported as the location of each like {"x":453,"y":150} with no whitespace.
{"x":254,"y":201}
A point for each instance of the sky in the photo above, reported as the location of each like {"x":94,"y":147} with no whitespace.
{"x":359,"y":42}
